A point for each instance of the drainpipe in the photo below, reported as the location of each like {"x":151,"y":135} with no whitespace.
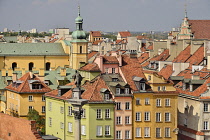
{"x":64,"y":126}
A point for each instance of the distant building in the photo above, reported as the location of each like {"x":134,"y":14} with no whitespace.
{"x":34,"y":30}
{"x":6,"y":30}
{"x":95,"y":36}
{"x":123,"y":35}
{"x":52,"y":31}
{"x":62,"y":32}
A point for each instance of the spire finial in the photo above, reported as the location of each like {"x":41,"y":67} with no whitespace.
{"x":78,"y":9}
{"x":185,"y":9}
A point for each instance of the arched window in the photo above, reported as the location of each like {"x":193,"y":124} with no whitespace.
{"x":47,"y":66}
{"x":80,"y":49}
{"x":30,"y":66}
{"x":14,"y":65}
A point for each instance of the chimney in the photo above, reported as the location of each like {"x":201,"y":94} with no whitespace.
{"x":14,"y":77}
{"x":63,"y":72}
{"x":31,"y":75}
{"x":120,"y":58}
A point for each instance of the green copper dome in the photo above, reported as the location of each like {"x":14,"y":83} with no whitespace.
{"x":79,"y":34}
{"x":79,"y":19}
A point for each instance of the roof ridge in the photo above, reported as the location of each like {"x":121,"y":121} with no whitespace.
{"x":94,"y":89}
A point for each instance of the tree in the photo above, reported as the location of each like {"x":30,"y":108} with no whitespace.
{"x":34,"y":115}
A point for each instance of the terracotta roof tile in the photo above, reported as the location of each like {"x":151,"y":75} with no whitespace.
{"x":143,"y":57}
{"x":197,"y":57}
{"x":19,"y":129}
{"x":140,"y":37}
{"x":125,"y":34}
{"x":121,"y":41}
{"x":90,"y":67}
{"x":91,"y":54}
{"x":150,"y":47}
{"x":183,"y":55}
{"x":110,"y":60}
{"x":166,"y":71}
{"x":131,"y":67}
{"x":200,"y":28}
{"x":24,"y":87}
{"x":96,"y":33}
{"x":190,"y":130}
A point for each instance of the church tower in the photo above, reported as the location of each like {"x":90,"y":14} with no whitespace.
{"x":79,"y":48}
{"x":185,"y":32}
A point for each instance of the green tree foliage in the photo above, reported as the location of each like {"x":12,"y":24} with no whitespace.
{"x":111,"y":36}
{"x":34,"y":115}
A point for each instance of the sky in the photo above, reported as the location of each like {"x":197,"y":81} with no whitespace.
{"x":100,"y":15}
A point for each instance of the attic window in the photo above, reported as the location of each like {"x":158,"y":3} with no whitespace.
{"x":106,"y":96}
{"x":117,"y":90}
{"x":115,"y":79}
{"x":36,"y":86}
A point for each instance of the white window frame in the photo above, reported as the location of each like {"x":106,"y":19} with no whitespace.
{"x":127,"y":105}
{"x":164,"y":88}
{"x":43,"y":98}
{"x":30,"y":98}
{"x":158,"y":132}
{"x":167,"y":116}
{"x":99,"y":130}
{"x":113,"y":70}
{"x":107,"y":130}
{"x":138,"y":116}
{"x":138,"y":101}
{"x":61,"y":110}
{"x":70,"y":127}
{"x":118,"y":120}
{"x":127,"y":134}
{"x":167,"y":132}
{"x":106,"y":96}
{"x":50,"y":106}
{"x":107,"y":113}
{"x":167,"y":102}
{"x":147,"y":101}
{"x":146,"y":116}
{"x":158,"y":117}
{"x":29,"y":108}
{"x":83,"y":113}
{"x":83,"y":130}
{"x":118,"y":105}
{"x":127,"y":90}
{"x":43,"y":109}
{"x":205,"y":107}
{"x":159,"y":88}
{"x":99,"y":114}
{"x":158,"y":102}
{"x":118,"y":134}
{"x":127,"y":119}
{"x":146,"y":132}
{"x":205,"y":125}
{"x":138,"y":132}
{"x":50,"y":122}
{"x":117,"y":90}
{"x":70,"y":113}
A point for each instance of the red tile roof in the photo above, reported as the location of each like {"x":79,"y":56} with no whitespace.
{"x":183,"y":137}
{"x":142,"y":37}
{"x":92,"y":91}
{"x":24,"y":87}
{"x":143,"y":57}
{"x":96,"y":33}
{"x":110,"y":60}
{"x":17,"y":128}
{"x":90,"y":67}
{"x":183,"y":128}
{"x":200,"y":28}
{"x":166,"y":71}
{"x":131,"y":67}
{"x":150,"y":47}
{"x":91,"y":54}
{"x":121,"y":41}
{"x":183,"y":55}
{"x":197,"y":57}
{"x":162,"y":57}
{"x":125,"y":34}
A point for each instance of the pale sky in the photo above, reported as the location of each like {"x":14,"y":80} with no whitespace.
{"x":102,"y":15}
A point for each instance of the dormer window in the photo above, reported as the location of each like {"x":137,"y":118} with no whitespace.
{"x":149,"y":77}
{"x":142,"y":86}
{"x":115,"y":79}
{"x":127,"y":91}
{"x":36,"y":86}
{"x":106,"y":96}
{"x":184,"y":86}
{"x":117,"y":90}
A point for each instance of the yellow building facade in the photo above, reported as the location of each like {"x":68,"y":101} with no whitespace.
{"x":24,"y":95}
{"x":154,"y":111}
